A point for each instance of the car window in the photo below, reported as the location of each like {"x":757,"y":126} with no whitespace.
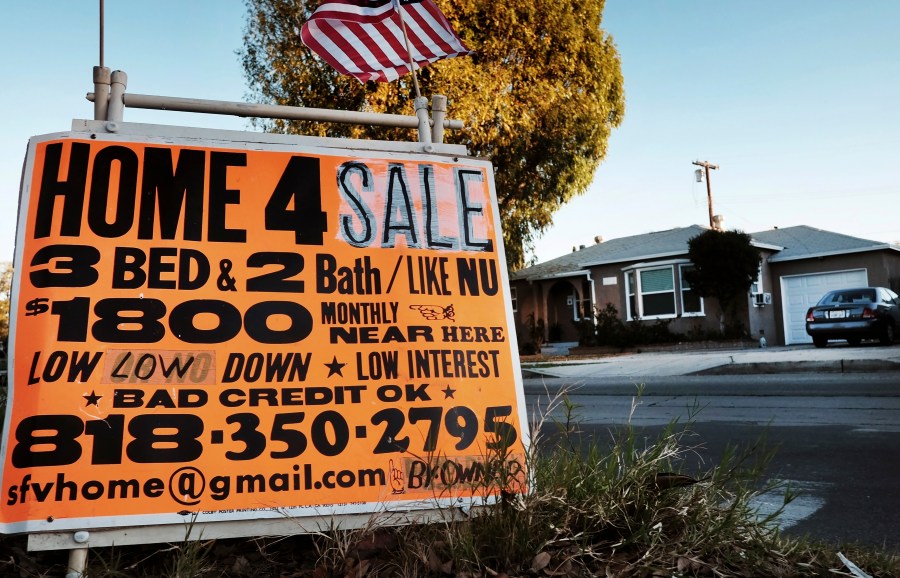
{"x":848,"y":297}
{"x":832,"y":298}
{"x":864,"y":296}
{"x":893,"y":297}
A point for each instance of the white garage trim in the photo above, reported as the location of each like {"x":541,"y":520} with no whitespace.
{"x":800,"y":292}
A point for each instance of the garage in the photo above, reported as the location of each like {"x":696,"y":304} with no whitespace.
{"x":800,"y":292}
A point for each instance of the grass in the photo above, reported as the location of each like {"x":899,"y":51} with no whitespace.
{"x":623,"y":508}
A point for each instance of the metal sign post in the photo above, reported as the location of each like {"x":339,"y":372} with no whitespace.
{"x":112,"y":109}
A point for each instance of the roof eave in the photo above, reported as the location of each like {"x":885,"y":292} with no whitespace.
{"x":884,"y":247}
{"x":561,"y":275}
{"x":769,"y":246}
{"x":627,"y":259}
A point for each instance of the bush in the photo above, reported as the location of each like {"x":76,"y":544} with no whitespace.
{"x":609,"y":328}
{"x":612,"y":331}
{"x":587,"y":333}
{"x":533,"y":336}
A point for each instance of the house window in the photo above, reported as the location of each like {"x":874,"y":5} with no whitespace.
{"x":756,"y":286}
{"x":584,"y":308}
{"x":631,"y":289}
{"x":587,"y":309}
{"x":657,"y":291}
{"x":691,"y":303}
{"x":652,"y":293}
{"x":514,"y":297}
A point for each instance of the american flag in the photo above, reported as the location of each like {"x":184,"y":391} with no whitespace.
{"x":365,"y":38}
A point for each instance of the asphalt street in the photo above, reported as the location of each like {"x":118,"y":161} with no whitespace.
{"x":832,"y":415}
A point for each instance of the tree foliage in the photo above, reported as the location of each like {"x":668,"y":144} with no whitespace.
{"x":6,"y":274}
{"x":539,"y":98}
{"x":725,"y":265}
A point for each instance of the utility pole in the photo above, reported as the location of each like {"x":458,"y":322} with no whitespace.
{"x":706,"y":165}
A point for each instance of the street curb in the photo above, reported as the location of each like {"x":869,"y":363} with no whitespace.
{"x":529,"y":373}
{"x":766,"y":368}
{"x":836,"y":366}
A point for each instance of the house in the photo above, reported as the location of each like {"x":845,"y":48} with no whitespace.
{"x":642,"y":276}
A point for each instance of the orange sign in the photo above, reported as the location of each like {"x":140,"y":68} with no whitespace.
{"x":239,"y":331}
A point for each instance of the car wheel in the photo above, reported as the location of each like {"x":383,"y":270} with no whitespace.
{"x":820,"y":341}
{"x":854,"y":342}
{"x":887,"y":335}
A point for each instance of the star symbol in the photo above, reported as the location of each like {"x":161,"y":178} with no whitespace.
{"x":92,"y":399}
{"x":334,"y":367}
{"x":448,"y":393}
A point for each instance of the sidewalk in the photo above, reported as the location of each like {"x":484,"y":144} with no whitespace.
{"x":836,"y":358}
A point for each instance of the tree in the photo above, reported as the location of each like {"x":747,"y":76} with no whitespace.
{"x":6,"y":273}
{"x":725,"y":265}
{"x":539,"y":98}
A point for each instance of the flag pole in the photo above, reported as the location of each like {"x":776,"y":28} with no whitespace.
{"x":421,"y":103}
{"x":409,"y":57}
{"x":102,"y":78}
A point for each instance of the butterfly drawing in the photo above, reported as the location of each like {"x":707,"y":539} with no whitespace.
{"x":435,"y":312}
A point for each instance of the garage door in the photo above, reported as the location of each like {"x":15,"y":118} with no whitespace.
{"x":800,"y":292}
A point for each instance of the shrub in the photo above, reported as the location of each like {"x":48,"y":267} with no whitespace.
{"x":609,"y":328}
{"x":587,"y":333}
{"x":612,"y":331}
{"x":533,"y":336}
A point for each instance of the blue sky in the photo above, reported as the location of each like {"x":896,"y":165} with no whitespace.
{"x":796,"y":101}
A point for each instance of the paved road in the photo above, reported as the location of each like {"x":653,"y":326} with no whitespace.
{"x":859,"y":400}
{"x":837,"y":437}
